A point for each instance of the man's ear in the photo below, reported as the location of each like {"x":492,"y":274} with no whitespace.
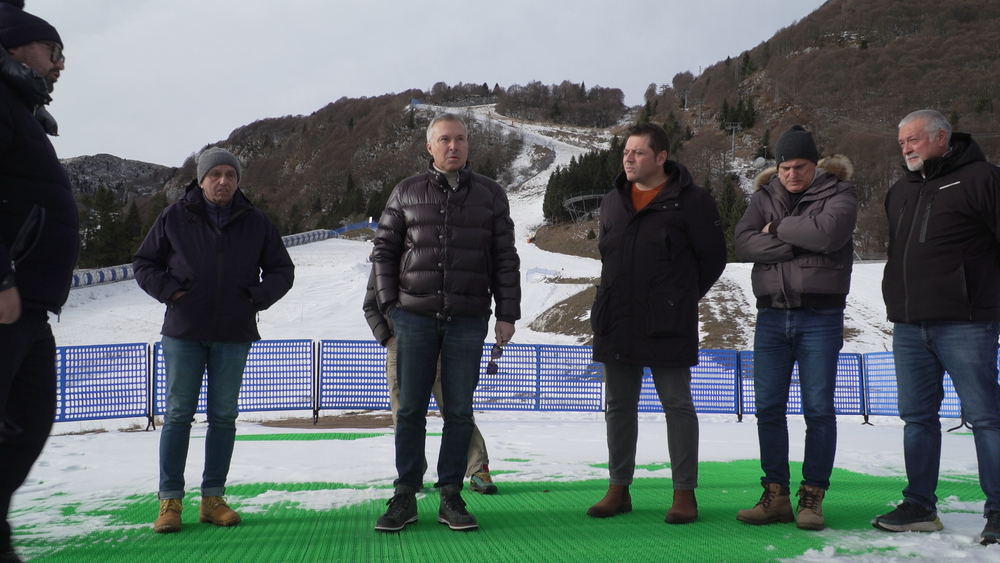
{"x":662,"y":157}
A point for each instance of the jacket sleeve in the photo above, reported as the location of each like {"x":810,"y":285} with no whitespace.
{"x":389,"y":238}
{"x":150,"y":262}
{"x":376,"y":322}
{"x":506,"y":277}
{"x":828,"y":230}
{"x":709,"y":244}
{"x":276,"y":267}
{"x":754,"y":245}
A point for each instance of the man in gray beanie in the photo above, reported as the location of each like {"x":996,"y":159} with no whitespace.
{"x":215,"y":260}
{"x":39,"y":242}
{"x":797,"y":231}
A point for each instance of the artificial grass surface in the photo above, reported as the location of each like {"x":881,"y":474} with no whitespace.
{"x":526,"y":522}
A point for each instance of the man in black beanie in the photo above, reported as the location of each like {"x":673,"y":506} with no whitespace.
{"x":38,"y":247}
{"x":797,"y":231}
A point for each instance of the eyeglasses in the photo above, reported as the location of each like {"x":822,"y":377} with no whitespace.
{"x":57,"y":55}
{"x":495,"y":354}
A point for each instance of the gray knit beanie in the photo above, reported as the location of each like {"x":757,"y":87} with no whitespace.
{"x":215,"y":156}
{"x":796,"y":143}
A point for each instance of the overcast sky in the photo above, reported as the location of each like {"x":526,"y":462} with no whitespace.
{"x":156,"y":80}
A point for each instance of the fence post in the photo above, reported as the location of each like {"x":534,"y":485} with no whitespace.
{"x":150,"y":388}
{"x":317,"y":350}
{"x":538,"y":377}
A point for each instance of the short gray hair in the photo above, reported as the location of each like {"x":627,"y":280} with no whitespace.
{"x":444,"y":117}
{"x":934,"y":121}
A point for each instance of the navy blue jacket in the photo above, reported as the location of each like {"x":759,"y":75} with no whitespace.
{"x":655,"y":265}
{"x":229,"y":273}
{"x":39,"y":221}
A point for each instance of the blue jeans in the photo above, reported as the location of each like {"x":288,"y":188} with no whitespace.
{"x":419,"y":341}
{"x":813,"y":337}
{"x":186,"y":363}
{"x":968,"y":352}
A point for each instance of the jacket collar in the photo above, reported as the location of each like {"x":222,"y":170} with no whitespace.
{"x":963,"y":151}
{"x":829,"y":171}
{"x":678,"y":179}
{"x":439,"y":179}
{"x":194,"y":200}
{"x":30,"y":88}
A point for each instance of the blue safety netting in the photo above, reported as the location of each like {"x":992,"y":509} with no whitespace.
{"x":278,"y":376}
{"x":128,"y":380}
{"x":97,"y":382}
{"x":847,"y":396}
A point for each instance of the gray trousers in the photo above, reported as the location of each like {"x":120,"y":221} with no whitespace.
{"x":623,"y":383}
{"x":478,"y":456}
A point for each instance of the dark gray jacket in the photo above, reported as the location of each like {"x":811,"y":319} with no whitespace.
{"x":806,"y":257}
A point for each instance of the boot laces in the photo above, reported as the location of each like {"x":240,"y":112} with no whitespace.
{"x":808,"y":499}
{"x":171,"y":504}
{"x":397,"y":504}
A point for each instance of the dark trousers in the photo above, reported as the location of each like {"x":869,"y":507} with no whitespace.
{"x":27,"y":402}
{"x":673,"y":386}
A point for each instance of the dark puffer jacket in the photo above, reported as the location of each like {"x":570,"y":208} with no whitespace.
{"x":444,"y":252}
{"x":39,"y":223}
{"x":806,"y":257}
{"x":656,"y":264}
{"x":229,"y":274}
{"x":944,"y":239}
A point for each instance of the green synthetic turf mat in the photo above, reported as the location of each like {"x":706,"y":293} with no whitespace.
{"x":526,"y":522}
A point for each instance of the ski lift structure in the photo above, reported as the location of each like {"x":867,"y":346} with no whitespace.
{"x":583,"y":205}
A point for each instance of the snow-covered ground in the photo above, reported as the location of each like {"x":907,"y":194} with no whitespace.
{"x":325,"y":303}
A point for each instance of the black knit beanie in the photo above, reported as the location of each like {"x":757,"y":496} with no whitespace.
{"x":796,"y":143}
{"x":18,"y":27}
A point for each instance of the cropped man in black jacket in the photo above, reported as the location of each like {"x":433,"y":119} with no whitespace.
{"x":38,"y":246}
{"x":942,"y":291}
{"x":662,"y":248}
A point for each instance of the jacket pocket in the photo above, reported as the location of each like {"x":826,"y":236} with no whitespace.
{"x":601,"y":322}
{"x":28,"y":235}
{"x":672,"y":312}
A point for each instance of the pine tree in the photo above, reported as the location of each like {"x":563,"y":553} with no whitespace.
{"x":732,"y":204}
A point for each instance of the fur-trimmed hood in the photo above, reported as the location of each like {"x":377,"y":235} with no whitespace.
{"x":838,"y":165}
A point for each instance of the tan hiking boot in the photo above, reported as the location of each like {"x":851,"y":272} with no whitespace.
{"x":615,"y":501}
{"x":809,"y":515}
{"x":773,"y":506}
{"x":214,"y":510}
{"x":684,"y":509}
{"x":169,"y":519}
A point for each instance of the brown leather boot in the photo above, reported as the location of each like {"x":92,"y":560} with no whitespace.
{"x":214,"y":510}
{"x":615,"y":501}
{"x":809,"y":514}
{"x":773,"y":506}
{"x":169,"y":519}
{"x":684,"y":510}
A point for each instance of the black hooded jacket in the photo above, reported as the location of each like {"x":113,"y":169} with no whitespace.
{"x":39,"y":222}
{"x":656,"y":264}
{"x":944,"y":243}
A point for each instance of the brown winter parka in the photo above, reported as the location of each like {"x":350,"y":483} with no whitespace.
{"x":806,"y":257}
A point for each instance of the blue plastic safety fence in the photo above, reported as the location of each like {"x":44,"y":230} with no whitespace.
{"x":100,"y":382}
{"x":847,"y":396}
{"x":278,"y":376}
